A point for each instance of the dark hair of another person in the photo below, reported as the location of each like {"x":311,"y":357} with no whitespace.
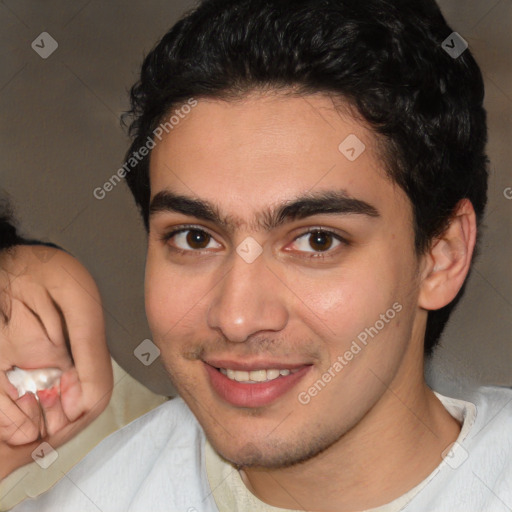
{"x":8,"y":234}
{"x":382,"y":57}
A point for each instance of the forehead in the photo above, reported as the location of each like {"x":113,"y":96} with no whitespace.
{"x":245,"y":155}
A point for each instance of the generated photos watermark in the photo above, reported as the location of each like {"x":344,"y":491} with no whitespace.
{"x":137,"y":156}
{"x":305,"y":397}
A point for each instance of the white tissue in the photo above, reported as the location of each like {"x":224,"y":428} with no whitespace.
{"x":31,"y":381}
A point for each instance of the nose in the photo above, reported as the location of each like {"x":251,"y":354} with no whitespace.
{"x":249,"y":299}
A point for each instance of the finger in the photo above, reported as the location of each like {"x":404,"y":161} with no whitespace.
{"x":73,"y":403}
{"x":29,"y":404}
{"x":81,"y":306}
{"x":27,"y":282}
{"x":54,"y":416}
{"x":7,"y":388}
{"x":20,"y":421}
{"x":28,"y":342}
{"x":12,"y":418}
{"x":42,"y":306}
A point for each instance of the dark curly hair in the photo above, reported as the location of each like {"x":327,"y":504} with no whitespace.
{"x":383,"y":57}
{"x":9,"y":236}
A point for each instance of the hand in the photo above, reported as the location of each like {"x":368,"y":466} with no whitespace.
{"x":50,"y":306}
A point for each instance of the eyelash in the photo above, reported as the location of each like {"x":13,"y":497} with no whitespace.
{"x":194,"y":252}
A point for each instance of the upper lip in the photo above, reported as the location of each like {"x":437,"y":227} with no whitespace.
{"x":254,"y":365}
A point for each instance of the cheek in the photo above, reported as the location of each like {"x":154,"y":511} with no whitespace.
{"x":347,"y":299}
{"x":175,"y":298}
{"x":344,"y":305}
{"x":164,"y":295}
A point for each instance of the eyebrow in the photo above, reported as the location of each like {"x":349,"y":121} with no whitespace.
{"x":301,"y":207}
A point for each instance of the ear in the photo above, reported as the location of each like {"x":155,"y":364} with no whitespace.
{"x":447,"y":263}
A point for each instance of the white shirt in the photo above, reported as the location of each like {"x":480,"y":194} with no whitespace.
{"x":162,"y":462}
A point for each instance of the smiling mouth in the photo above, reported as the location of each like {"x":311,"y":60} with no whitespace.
{"x":247,"y":387}
{"x":255,"y":376}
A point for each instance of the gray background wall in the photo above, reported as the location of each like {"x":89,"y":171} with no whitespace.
{"x":60,"y":139}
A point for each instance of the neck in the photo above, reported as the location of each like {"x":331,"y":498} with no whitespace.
{"x":392,"y":449}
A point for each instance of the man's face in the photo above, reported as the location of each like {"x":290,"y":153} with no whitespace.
{"x":253,"y":291}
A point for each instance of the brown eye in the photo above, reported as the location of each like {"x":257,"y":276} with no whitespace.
{"x":197,"y":239}
{"x":191,"y":240}
{"x":317,"y":241}
{"x":320,"y":241}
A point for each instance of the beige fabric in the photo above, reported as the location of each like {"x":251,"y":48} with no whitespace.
{"x":130,"y":399}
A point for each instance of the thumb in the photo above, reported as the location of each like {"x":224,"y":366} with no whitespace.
{"x":71,"y":395}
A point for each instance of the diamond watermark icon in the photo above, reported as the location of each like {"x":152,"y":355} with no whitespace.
{"x":455,"y":455}
{"x":454,"y":45}
{"x":44,"y":44}
{"x":249,"y":249}
{"x":352,"y":147}
{"x":146,"y":352}
{"x":44,"y":455}
{"x":43,"y":253}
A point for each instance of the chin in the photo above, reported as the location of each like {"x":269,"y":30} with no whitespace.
{"x":270,"y":454}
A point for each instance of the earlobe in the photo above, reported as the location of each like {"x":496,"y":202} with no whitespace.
{"x":448,"y":261}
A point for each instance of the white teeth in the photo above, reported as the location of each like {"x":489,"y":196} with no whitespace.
{"x":256,"y":375}
{"x":272,"y":374}
{"x":241,"y":376}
